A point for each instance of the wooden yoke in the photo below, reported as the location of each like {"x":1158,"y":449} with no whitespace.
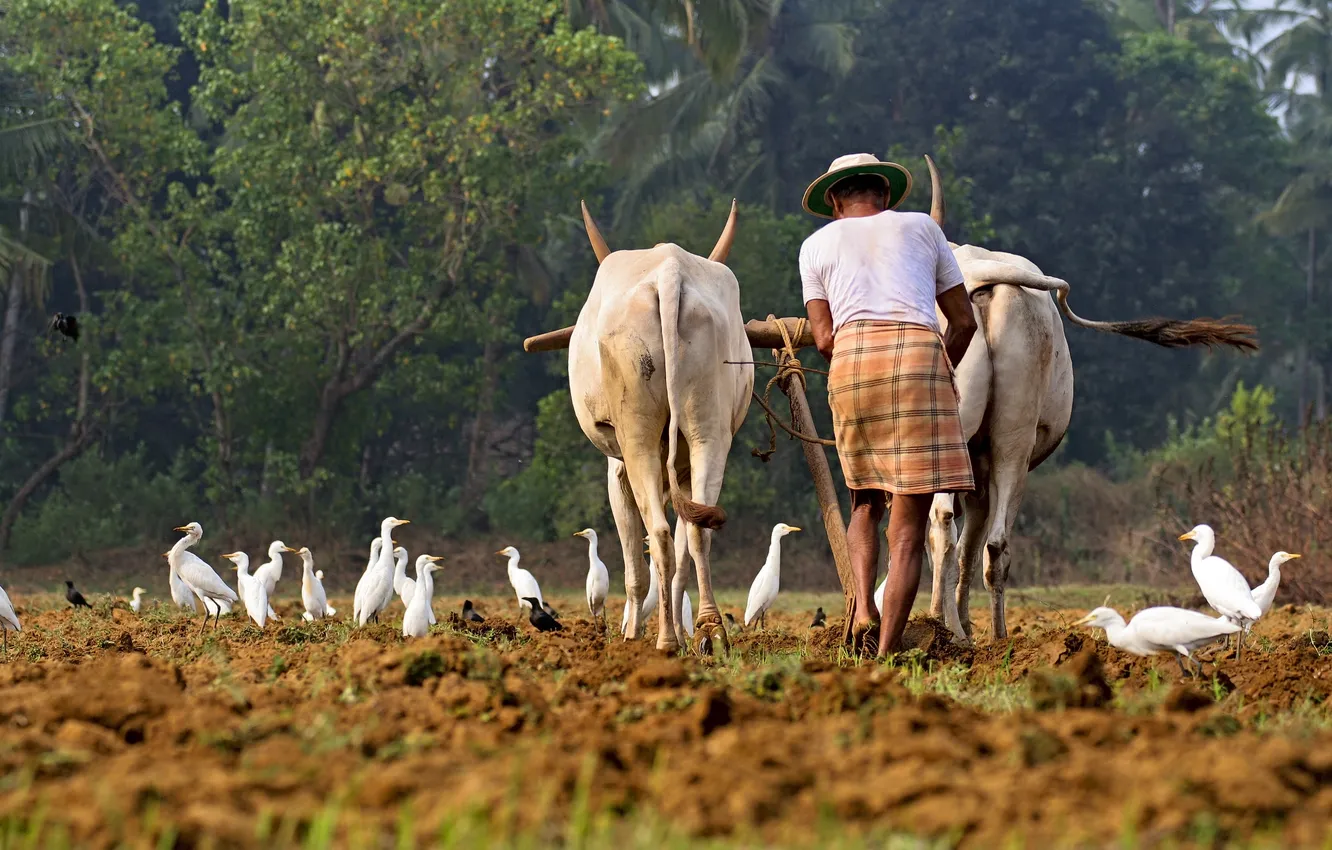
{"x":785,"y":337}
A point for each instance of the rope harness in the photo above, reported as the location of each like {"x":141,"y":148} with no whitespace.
{"x":788,"y":369}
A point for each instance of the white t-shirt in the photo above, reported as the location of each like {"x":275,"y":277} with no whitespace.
{"x":886,"y":267}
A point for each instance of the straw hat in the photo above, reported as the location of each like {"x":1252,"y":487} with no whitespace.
{"x":897,"y":178}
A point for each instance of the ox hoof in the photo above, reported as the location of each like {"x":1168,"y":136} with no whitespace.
{"x":709,"y":637}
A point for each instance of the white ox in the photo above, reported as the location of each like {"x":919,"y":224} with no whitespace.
{"x":646,"y":373}
{"x":1016,"y":384}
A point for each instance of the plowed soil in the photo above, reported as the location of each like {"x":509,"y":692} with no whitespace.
{"x":112,"y":720}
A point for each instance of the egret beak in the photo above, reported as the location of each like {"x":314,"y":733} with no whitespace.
{"x":580,"y":534}
{"x":793,"y":528}
{"x":289,"y":549}
{"x":1188,"y":535}
{"x":404,"y":522}
{"x":1291,"y":556}
{"x":181,"y":528}
{"x":1084,"y":621}
{"x":500,"y":552}
{"x":166,"y":554}
{"x":230,"y":555}
{"x":434,"y":559}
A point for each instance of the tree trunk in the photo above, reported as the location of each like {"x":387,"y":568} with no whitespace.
{"x":478,"y":453}
{"x":13,"y":310}
{"x":313,"y":450}
{"x":1303,"y":355}
{"x":1165,"y":13}
{"x":80,"y":434}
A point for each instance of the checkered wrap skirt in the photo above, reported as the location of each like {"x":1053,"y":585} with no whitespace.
{"x":895,"y":410}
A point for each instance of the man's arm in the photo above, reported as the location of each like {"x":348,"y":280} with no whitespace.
{"x":956,"y":307}
{"x":820,"y":322}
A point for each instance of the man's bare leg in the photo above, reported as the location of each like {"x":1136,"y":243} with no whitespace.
{"x":862,"y":544}
{"x":906,"y":546}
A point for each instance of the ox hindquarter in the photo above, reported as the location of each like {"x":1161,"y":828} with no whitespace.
{"x":1019,"y":365}
{"x":639,"y":386}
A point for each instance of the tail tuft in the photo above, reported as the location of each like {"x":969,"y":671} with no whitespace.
{"x":703,"y":516}
{"x":1176,"y":333}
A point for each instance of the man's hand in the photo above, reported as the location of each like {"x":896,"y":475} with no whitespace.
{"x":820,"y":322}
{"x":955,"y":304}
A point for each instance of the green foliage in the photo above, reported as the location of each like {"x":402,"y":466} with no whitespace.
{"x":101,"y":503}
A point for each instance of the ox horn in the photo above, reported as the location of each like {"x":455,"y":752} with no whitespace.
{"x":599,"y":246}
{"x":936,"y":193}
{"x":723,"y":247}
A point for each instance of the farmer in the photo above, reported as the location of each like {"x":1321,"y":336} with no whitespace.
{"x":871,"y":280}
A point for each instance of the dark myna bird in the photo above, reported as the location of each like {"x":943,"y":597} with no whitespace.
{"x":549,"y":610}
{"x":820,"y":620}
{"x":74,"y":597}
{"x":539,"y":618}
{"x":731,"y":624}
{"x":67,"y":325}
{"x":469,"y":613}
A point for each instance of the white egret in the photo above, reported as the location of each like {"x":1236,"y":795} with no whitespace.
{"x":9,"y":621}
{"x":253,"y":591}
{"x":1222,"y":585}
{"x":878,"y":594}
{"x":416,"y":622}
{"x":763,"y":592}
{"x":399,"y":570}
{"x":363,"y":584}
{"x":270,"y":572}
{"x":687,"y":614}
{"x":136,"y":600}
{"x":524,"y":583}
{"x":1163,"y":629}
{"x":329,"y":609}
{"x":312,"y":589}
{"x":198,"y":575}
{"x":409,"y":585}
{"x":598,"y":577}
{"x":379,"y":589}
{"x":1265,"y":593}
{"x":180,"y":591}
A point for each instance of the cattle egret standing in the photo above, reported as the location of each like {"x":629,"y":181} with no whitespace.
{"x":9,"y":621}
{"x":409,"y":584}
{"x":1265,"y":593}
{"x":598,"y":577}
{"x":136,"y":600}
{"x":763,"y":592}
{"x":270,"y":572}
{"x":379,"y":579}
{"x":180,"y":591}
{"x":687,"y":614}
{"x":1163,"y":629}
{"x":253,"y":591}
{"x":416,"y":622}
{"x":198,"y":575}
{"x":312,"y":589}
{"x":878,"y":594}
{"x":363,"y":585}
{"x":524,"y":583}
{"x":329,"y":609}
{"x":400,"y":574}
{"x":1222,"y":585}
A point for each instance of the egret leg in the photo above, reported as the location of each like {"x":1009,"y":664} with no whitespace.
{"x":204,"y":624}
{"x":1180,"y":660}
{"x":1239,"y":652}
{"x":1200,"y":667}
{"x":6,"y":635}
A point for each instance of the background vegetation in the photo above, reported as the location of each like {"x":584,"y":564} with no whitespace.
{"x":304,"y":240}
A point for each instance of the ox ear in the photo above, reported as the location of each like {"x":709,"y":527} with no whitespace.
{"x":723,"y":247}
{"x":599,"y":246}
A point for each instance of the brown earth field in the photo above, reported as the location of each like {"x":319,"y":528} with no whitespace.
{"x":138,"y":731}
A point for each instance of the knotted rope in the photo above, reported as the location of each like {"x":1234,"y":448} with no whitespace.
{"x":788,"y":368}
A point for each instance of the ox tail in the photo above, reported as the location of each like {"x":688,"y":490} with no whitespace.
{"x":983,"y":275}
{"x":668,"y":297}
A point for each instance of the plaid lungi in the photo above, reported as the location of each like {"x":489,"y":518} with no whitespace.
{"x":895,"y":410}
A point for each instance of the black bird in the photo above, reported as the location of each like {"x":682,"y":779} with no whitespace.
{"x":820,"y":620}
{"x":549,"y":610}
{"x":469,"y":613}
{"x":67,"y":325}
{"x":731,"y":624}
{"x":543,"y":621}
{"x":74,"y":597}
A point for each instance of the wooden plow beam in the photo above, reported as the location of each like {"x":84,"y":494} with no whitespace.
{"x":785,"y":337}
